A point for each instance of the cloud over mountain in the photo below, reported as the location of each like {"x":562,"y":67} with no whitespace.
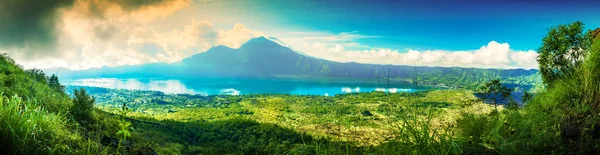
{"x":81,"y":34}
{"x":492,"y":55}
{"x":34,"y":29}
{"x":93,"y":33}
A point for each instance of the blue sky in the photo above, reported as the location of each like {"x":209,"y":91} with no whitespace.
{"x":462,"y":33}
{"x":433,"y":24}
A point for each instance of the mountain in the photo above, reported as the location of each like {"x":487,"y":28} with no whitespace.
{"x":262,"y":57}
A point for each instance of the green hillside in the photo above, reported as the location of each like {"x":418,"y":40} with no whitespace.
{"x":34,"y":117}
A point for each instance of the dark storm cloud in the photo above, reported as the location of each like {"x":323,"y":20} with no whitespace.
{"x":32,"y":26}
{"x":97,"y":8}
{"x":29,"y":23}
{"x":136,"y":4}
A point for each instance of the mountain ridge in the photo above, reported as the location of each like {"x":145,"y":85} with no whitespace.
{"x":263,"y":57}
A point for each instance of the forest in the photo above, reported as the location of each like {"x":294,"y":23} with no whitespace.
{"x":39,"y":115}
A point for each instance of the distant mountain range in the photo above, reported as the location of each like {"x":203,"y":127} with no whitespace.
{"x":262,"y":57}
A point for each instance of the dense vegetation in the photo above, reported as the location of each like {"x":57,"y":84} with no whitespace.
{"x":37,"y":116}
{"x":363,"y":118}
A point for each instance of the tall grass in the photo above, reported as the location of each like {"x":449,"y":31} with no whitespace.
{"x":506,"y":132}
{"x":29,"y":129}
{"x":416,"y":134}
{"x":563,"y":119}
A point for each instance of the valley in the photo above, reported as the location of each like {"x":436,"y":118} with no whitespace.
{"x":367,"y":119}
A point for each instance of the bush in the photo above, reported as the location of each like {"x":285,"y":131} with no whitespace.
{"x":82,"y":107}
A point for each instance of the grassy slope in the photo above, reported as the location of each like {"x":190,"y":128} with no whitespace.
{"x":34,"y":117}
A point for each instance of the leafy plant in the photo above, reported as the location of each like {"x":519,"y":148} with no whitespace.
{"x":494,"y":88}
{"x":563,"y":51}
{"x":82,"y":106}
{"x":125,"y":128}
{"x":55,"y":84}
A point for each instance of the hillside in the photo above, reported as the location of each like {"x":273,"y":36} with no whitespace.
{"x":34,"y":114}
{"x":36,"y":119}
{"x":31,"y":85}
{"x":262,"y":57}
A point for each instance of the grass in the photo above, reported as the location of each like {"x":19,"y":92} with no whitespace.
{"x":364,"y":118}
{"x":416,"y":134}
{"x":432,"y":122}
{"x":418,"y":123}
{"x":29,"y":129}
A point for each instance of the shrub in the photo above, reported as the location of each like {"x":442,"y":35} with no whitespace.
{"x":82,"y":107}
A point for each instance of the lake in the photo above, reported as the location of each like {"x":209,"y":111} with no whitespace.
{"x":238,"y":86}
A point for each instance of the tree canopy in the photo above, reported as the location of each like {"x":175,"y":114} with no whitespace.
{"x":563,"y":49}
{"x":494,"y":88}
{"x":82,"y":106}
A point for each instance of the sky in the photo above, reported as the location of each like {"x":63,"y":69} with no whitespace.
{"x":82,"y":34}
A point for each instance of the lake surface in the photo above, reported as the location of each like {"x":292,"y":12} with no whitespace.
{"x":237,"y":86}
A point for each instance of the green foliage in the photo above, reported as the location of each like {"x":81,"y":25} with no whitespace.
{"x":33,"y":116}
{"x":563,"y":50}
{"x":30,"y":86}
{"x":572,"y":106}
{"x":82,"y":106}
{"x":493,"y":88}
{"x":234,"y":136}
{"x":26,"y":128}
{"x":472,"y":78}
{"x":512,"y":104}
{"x":416,"y":134}
{"x":577,"y":98}
{"x":526,"y":97}
{"x":125,"y":128}
{"x":507,"y":132}
{"x":55,"y":84}
{"x":360,"y":119}
{"x":38,"y":75}
{"x":563,"y":119}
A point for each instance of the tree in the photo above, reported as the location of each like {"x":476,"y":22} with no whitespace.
{"x":494,"y":88}
{"x":563,"y":49}
{"x":37,"y":74}
{"x":526,"y":97}
{"x":55,"y":84}
{"x":82,"y":106}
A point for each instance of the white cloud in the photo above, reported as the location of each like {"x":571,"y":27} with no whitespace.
{"x":200,"y":36}
{"x":123,"y":37}
{"x":237,"y":36}
{"x":117,"y":42}
{"x":492,"y":55}
{"x":525,"y":58}
{"x":96,"y":33}
{"x":344,"y":47}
